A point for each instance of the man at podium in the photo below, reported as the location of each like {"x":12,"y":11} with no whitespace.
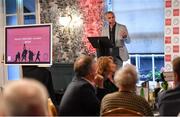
{"x":118,"y":35}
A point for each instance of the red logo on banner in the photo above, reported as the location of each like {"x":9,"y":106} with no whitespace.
{"x":168,"y":22}
{"x":168,"y":3}
{"x":167,"y":57}
{"x":167,"y":40}
{"x":176,"y":30}
{"x":176,"y":48}
{"x":176,"y":12}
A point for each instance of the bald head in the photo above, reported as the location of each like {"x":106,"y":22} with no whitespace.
{"x":26,"y":97}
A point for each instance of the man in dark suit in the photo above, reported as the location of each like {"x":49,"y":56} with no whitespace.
{"x":169,"y":101}
{"x":80,"y":98}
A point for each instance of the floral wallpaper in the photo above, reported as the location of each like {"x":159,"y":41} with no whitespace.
{"x":85,"y":20}
{"x":92,"y":11}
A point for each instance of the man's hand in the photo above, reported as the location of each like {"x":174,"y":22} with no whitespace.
{"x":99,"y":81}
{"x":123,"y":33}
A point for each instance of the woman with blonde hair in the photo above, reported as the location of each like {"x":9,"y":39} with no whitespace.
{"x":106,"y":69}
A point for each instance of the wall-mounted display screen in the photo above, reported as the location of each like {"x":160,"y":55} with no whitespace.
{"x":28,"y":44}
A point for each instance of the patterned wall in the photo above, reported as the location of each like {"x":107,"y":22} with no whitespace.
{"x":92,"y":11}
{"x":172,"y":32}
{"x":71,"y":41}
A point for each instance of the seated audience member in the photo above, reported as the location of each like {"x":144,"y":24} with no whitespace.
{"x":79,"y":98}
{"x":157,"y":92}
{"x":169,"y":101}
{"x":106,"y":68}
{"x":3,"y":108}
{"x":164,"y":85}
{"x":26,"y":98}
{"x":125,"y":78}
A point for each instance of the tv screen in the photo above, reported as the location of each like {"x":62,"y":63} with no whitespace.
{"x":29,"y":44}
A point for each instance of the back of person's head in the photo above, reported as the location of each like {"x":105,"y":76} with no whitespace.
{"x":176,"y":70}
{"x":126,"y":77}
{"x":103,"y":64}
{"x":176,"y":65}
{"x":83,"y":65}
{"x":26,"y":98}
{"x":3,"y":107}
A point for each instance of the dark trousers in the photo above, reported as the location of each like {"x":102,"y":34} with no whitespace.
{"x":118,"y":61}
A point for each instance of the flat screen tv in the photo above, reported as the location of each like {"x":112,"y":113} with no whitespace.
{"x":28,"y":44}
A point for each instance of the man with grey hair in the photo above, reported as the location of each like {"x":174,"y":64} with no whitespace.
{"x":80,"y":98}
{"x":125,"y":79}
{"x":26,"y":98}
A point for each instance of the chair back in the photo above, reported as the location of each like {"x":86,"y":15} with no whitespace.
{"x":122,"y":112}
{"x":51,"y":108}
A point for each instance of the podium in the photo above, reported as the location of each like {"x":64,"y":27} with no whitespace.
{"x":102,"y":45}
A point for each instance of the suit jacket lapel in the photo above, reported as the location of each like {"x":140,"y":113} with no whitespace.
{"x":116,"y":33}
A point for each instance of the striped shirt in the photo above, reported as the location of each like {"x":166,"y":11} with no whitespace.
{"x":126,"y":100}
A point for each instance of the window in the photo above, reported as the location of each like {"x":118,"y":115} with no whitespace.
{"x":11,"y":7}
{"x":29,"y":19}
{"x":133,"y":60}
{"x":148,"y":65}
{"x":14,"y":72}
{"x":11,"y":20}
{"x":20,"y":12}
{"x":11,"y":12}
{"x":29,"y":11}
{"x":146,"y":33}
{"x":29,"y":6}
{"x":145,"y":68}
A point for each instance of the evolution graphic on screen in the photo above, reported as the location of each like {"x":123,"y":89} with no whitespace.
{"x":29,"y":44}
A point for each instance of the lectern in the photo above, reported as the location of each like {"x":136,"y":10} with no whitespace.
{"x":102,"y":45}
